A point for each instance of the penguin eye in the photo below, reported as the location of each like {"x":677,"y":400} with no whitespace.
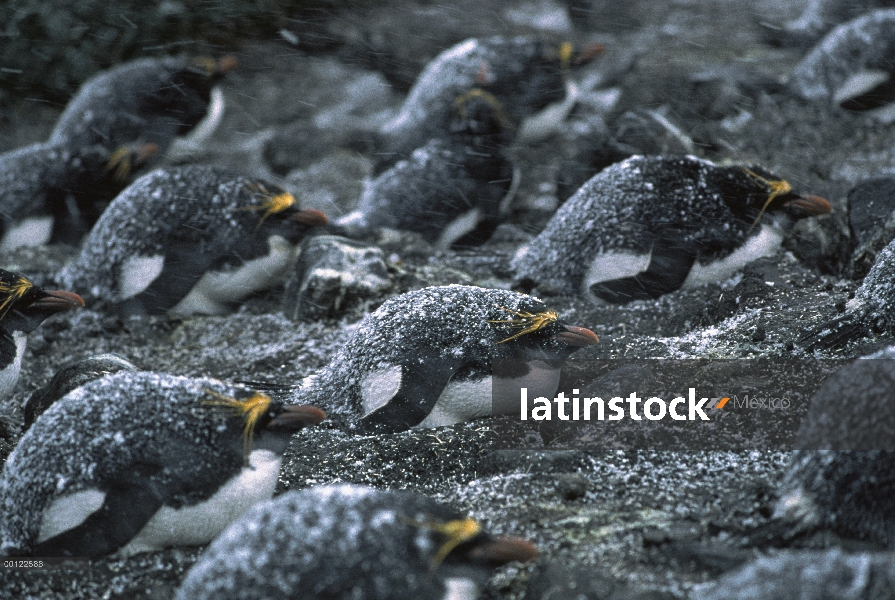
{"x":251,"y":409}
{"x":10,"y":292}
{"x":775,"y":188}
{"x":526,"y":322}
{"x":457,"y":532}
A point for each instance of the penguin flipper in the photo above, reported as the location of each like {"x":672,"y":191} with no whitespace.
{"x":128,"y":506}
{"x":421,"y":386}
{"x":668,"y":269}
{"x":183,"y":268}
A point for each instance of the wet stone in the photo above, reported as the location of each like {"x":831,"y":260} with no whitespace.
{"x":332,"y":273}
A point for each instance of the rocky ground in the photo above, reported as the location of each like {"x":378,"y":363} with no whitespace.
{"x":609,"y":523}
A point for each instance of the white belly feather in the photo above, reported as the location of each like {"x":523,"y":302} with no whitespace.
{"x":33,"y":231}
{"x":758,"y":246}
{"x":10,"y":375}
{"x":186,"y":526}
{"x":212,"y":294}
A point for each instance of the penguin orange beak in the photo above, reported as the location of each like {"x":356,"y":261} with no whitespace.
{"x":577,"y":336}
{"x":500,"y":551}
{"x":294,"y":417}
{"x":226,"y":63}
{"x":587,"y":54}
{"x":809,"y":206}
{"x":310,"y":217}
{"x":58,"y":301}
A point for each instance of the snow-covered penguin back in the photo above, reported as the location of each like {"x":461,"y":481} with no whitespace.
{"x":99,"y":432}
{"x":454,"y":322}
{"x":340,"y":541}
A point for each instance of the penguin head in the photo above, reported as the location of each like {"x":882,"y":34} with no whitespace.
{"x":202,"y":72}
{"x":479,"y":113}
{"x":533,"y":331}
{"x":273,"y":422}
{"x":24,"y":306}
{"x":278,"y":212}
{"x":765,"y":193}
{"x":460,"y":543}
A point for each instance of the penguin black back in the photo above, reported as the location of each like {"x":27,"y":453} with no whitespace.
{"x":70,"y":377}
{"x":650,"y":224}
{"x":525,"y":74}
{"x":171,"y":227}
{"x":451,"y":188}
{"x":94,"y":470}
{"x":400,"y":366}
{"x":151,"y":100}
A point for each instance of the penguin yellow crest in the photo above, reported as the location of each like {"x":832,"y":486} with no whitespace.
{"x":775,"y":188}
{"x":565,"y":56}
{"x":457,"y":532}
{"x":271,"y":202}
{"x":526,"y":322}
{"x":12,"y":291}
{"x":205,"y":63}
{"x":461,"y":100}
{"x":120,"y":162}
{"x":251,"y":409}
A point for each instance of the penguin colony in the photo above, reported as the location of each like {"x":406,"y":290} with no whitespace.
{"x":119,"y":461}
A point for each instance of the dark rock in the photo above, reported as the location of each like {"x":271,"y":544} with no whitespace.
{"x":827,"y":575}
{"x":871,"y":216}
{"x":552,"y":579}
{"x":333,"y":184}
{"x":333,"y":273}
{"x":571,"y":486}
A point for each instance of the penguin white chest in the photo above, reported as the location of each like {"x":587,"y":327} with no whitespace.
{"x":201,"y":523}
{"x":185,"y":526}
{"x":758,"y":246}
{"x":609,"y":266}
{"x":541,"y":380}
{"x":9,"y":376}
{"x":461,"y":401}
{"x":33,"y":231}
{"x":216,"y":289}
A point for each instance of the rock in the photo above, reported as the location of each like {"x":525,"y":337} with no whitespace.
{"x":333,"y":184}
{"x":819,"y":575}
{"x":871,"y":216}
{"x":332,"y":273}
{"x":553,"y":579}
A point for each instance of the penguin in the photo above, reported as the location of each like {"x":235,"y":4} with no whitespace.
{"x":842,"y":476}
{"x":190,"y":240}
{"x":872,"y":310}
{"x":23,"y":307}
{"x":117,"y":124}
{"x":72,"y":376}
{"x":344,"y":542}
{"x":425,"y":359}
{"x":649,"y":225}
{"x":452,"y":188}
{"x":852,"y":66}
{"x":139,"y":461}
{"x":55,"y":193}
{"x":150,"y":100}
{"x":525,"y":74}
